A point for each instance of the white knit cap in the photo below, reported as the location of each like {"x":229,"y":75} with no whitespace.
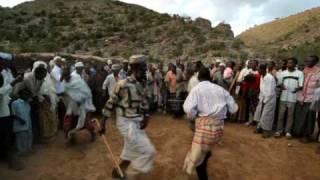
{"x":222,"y":64}
{"x":79,"y":64}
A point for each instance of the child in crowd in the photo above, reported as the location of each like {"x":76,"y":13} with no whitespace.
{"x":22,"y":125}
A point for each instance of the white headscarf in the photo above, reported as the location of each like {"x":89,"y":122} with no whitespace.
{"x":47,"y":88}
{"x":37,"y":64}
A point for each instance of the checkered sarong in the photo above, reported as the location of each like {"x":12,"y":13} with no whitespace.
{"x":209,"y":131}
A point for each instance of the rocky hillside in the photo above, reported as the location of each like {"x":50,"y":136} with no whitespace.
{"x":296,"y":35}
{"x":112,"y":28}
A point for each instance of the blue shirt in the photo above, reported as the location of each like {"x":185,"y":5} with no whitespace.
{"x":22,"y":109}
{"x":122,"y":74}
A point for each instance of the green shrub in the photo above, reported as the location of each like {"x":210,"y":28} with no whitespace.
{"x":77,"y":46}
{"x":217,"y":45}
{"x":59,"y":4}
{"x":237,"y":43}
{"x":200,"y":38}
{"x":97,"y":53}
{"x":41,"y":13}
{"x":87,"y":21}
{"x":65,"y":22}
{"x":20,"y":20}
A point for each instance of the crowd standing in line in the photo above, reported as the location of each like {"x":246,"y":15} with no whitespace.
{"x":279,"y":99}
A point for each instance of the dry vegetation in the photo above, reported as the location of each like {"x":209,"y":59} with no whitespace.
{"x":111,"y":28}
{"x":296,"y":35}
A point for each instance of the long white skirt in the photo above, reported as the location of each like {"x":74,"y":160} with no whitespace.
{"x":137,"y":147}
{"x":264,"y":114}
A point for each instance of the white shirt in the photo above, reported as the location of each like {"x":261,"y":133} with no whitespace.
{"x":109,"y":83}
{"x":267,"y":87}
{"x":290,"y":81}
{"x":208,"y":99}
{"x":193,"y":82}
{"x":56,"y":74}
{"x":5,"y":90}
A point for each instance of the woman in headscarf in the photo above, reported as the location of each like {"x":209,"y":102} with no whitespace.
{"x":44,"y":100}
{"x":48,"y":111}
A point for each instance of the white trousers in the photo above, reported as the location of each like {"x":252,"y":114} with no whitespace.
{"x":137,"y":147}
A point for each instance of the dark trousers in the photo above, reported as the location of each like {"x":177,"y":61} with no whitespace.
{"x":61,"y":113}
{"x":304,"y":120}
{"x":202,"y":168}
{"x":6,"y":137}
{"x":35,"y":121}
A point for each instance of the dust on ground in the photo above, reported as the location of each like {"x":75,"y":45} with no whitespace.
{"x":242,"y":156}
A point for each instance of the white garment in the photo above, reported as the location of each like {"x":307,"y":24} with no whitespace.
{"x":79,"y":99}
{"x":7,"y":76}
{"x":48,"y":89}
{"x":137,"y":147}
{"x":243,"y":73}
{"x":52,"y":63}
{"x":56,"y":74}
{"x":109,"y":83}
{"x":267,"y":88}
{"x":290,"y":81}
{"x":47,"y":86}
{"x":5,"y":91}
{"x":208,"y":99}
{"x":193,"y":82}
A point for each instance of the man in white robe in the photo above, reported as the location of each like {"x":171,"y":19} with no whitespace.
{"x":264,"y":114}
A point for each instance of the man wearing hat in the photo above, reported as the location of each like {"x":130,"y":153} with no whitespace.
{"x":124,"y":71}
{"x":111,"y":80}
{"x":218,"y":76}
{"x":129,"y":100}
{"x":109,"y":66}
{"x":79,"y":66}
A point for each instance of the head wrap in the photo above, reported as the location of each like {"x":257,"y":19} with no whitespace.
{"x":222,"y":64}
{"x":115,"y":67}
{"x":5,"y":56}
{"x":137,"y":59}
{"x":218,"y":61}
{"x":79,"y":64}
{"x":37,"y":64}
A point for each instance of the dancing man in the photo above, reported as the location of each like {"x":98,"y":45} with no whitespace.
{"x":209,"y":104}
{"x":129,"y":100}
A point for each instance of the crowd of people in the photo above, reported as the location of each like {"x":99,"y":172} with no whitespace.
{"x":280,"y":98}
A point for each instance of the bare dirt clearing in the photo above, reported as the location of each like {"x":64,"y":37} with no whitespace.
{"x":243,"y":156}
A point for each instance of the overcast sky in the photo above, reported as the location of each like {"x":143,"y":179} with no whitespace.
{"x":241,"y":14}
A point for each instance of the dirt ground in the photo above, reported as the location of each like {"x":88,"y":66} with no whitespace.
{"x":242,"y":156}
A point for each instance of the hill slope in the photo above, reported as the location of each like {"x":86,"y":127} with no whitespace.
{"x":111,"y":28}
{"x":297,"y":35}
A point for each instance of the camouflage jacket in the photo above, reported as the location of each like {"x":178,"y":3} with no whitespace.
{"x":128,"y":98}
